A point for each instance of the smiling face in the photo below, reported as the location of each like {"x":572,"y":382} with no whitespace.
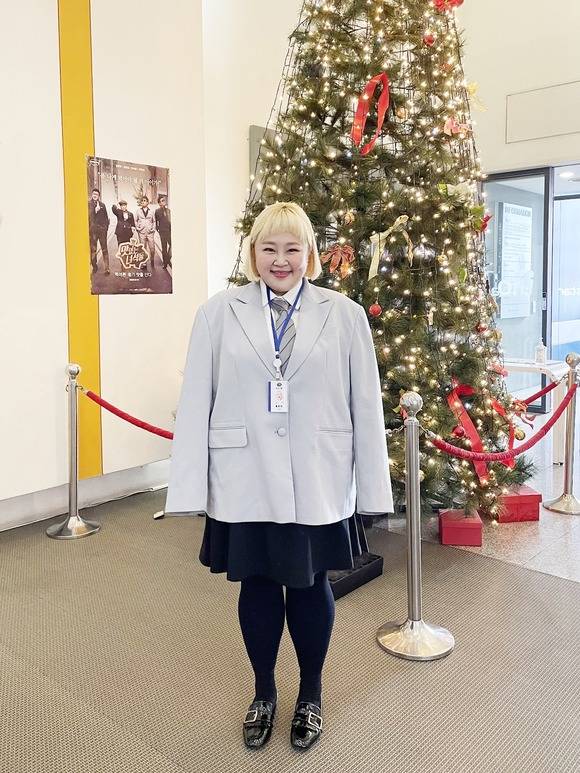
{"x":281,"y":261}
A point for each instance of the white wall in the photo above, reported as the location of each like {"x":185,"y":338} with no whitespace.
{"x":148,"y":107}
{"x":514,"y":46}
{"x":33,"y":302}
{"x":154,"y":117}
{"x":244,"y":52}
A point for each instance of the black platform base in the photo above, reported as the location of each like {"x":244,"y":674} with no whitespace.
{"x":366,"y":568}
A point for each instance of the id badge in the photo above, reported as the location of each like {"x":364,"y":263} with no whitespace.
{"x":278,"y":396}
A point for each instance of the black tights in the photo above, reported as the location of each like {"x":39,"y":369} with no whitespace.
{"x":310,"y":616}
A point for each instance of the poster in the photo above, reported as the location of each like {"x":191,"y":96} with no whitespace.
{"x":515,"y":288}
{"x":129,"y":217}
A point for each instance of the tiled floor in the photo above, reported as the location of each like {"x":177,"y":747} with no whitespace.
{"x":550,"y":545}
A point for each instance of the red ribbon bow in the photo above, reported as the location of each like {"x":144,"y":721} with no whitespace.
{"x":454,"y":401}
{"x":447,"y":5}
{"x":362,"y":111}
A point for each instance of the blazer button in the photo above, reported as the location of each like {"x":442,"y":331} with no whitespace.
{"x":281,"y":431}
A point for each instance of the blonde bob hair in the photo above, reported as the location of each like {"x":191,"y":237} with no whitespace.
{"x":281,"y":217}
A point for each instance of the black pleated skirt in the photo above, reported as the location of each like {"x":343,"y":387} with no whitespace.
{"x":288,"y":553}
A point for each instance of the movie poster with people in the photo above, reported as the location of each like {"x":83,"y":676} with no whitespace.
{"x":129,"y":227}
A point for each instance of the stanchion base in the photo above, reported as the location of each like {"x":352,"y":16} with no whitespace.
{"x":567,"y":503}
{"x":73,"y":528}
{"x":415,"y":640}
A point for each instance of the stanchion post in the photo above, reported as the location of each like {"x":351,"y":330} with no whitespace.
{"x":74,"y":526}
{"x":414,"y":639}
{"x":568,"y":503}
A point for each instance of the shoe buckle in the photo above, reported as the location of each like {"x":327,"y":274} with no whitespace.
{"x":311,"y":720}
{"x":251,"y":716}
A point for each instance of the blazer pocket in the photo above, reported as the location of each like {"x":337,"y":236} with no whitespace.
{"x":335,"y":430}
{"x":227,"y":437}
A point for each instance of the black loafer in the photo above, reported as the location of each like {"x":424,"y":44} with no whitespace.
{"x":306,"y":725}
{"x":258,"y":723}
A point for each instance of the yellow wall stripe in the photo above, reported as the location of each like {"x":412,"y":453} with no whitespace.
{"x":78,"y":139}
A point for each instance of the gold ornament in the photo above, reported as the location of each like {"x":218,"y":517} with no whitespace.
{"x":349,"y":216}
{"x":519,"y":433}
{"x":402,"y":113}
{"x":472,"y":89}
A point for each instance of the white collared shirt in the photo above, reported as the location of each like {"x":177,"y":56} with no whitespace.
{"x":290,"y":296}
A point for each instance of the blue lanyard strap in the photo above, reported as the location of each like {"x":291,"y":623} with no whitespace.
{"x":277,"y":340}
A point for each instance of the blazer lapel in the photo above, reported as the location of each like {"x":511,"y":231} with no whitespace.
{"x":314,"y":310}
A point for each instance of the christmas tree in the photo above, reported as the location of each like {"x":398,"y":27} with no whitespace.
{"x":371,"y":134}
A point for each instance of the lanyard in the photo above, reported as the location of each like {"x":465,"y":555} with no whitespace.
{"x":277,"y":340}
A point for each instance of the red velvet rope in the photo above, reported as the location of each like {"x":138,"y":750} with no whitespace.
{"x":441,"y":444}
{"x":462,"y":453}
{"x":541,"y":393}
{"x":131,"y":419}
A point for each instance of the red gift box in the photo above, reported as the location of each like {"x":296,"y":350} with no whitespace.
{"x":521,"y":504}
{"x":455,"y":528}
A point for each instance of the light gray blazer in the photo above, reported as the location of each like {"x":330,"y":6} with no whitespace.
{"x":235,"y":460}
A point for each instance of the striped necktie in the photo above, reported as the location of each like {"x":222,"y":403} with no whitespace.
{"x":287,"y":343}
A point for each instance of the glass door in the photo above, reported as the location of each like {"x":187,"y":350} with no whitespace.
{"x":566,"y":271}
{"x":518,"y":247}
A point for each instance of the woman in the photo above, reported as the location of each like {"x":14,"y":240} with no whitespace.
{"x":279,"y":435}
